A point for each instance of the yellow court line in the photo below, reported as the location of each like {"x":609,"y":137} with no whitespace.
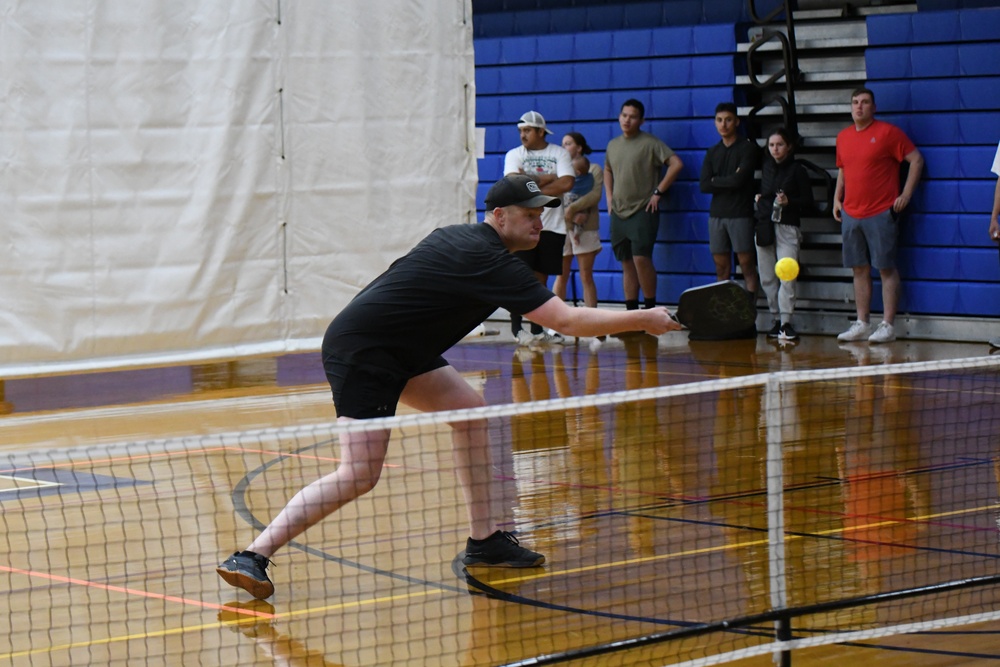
{"x":738,"y":545}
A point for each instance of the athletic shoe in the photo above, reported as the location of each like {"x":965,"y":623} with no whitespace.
{"x":549,"y":338}
{"x":775,"y":329}
{"x":995,"y":342}
{"x":247,"y":570}
{"x":787,"y":332}
{"x":501,"y":549}
{"x":858,"y":331}
{"x":884,"y":333}
{"x":524,"y":338}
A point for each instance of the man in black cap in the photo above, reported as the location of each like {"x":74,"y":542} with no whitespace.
{"x":386,"y":346}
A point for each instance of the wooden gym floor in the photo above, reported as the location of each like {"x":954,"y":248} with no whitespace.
{"x":121,"y":491}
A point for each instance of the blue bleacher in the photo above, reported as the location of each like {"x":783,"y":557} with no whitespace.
{"x":935,"y":74}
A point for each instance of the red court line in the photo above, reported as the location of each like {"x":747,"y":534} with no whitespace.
{"x":132,"y":591}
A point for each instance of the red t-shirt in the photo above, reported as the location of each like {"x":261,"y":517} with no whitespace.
{"x":870,"y":160}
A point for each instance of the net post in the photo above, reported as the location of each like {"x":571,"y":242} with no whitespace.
{"x":776,"y":511}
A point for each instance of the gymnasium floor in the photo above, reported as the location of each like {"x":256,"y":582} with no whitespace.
{"x":121,"y":491}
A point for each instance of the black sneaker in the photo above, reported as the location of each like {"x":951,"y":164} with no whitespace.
{"x":775,"y":329}
{"x":246,"y":569}
{"x":501,"y":549}
{"x":787,"y":332}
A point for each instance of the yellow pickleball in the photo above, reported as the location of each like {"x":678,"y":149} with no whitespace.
{"x":786,"y":269}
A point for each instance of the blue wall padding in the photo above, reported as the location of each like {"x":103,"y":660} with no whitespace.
{"x":934,"y":27}
{"x":966,"y":230}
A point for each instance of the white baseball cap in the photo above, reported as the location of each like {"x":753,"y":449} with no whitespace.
{"x":533,"y":119}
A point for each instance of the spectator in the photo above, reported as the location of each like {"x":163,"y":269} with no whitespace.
{"x":868,"y":202}
{"x":727,"y":173}
{"x":549,"y":166}
{"x":785,"y":191}
{"x":994,"y":223}
{"x":582,"y":221}
{"x":635,"y":189}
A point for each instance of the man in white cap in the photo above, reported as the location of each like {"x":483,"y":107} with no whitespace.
{"x":550,"y":166}
{"x":386,"y":346}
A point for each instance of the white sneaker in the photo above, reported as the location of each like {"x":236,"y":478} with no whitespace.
{"x":995,"y":342}
{"x":524,"y":338}
{"x":549,"y":338}
{"x":858,"y":331}
{"x":883,"y":334}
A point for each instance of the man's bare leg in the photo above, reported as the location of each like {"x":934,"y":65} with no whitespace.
{"x":890,"y":293}
{"x":646,"y":275}
{"x":863,"y":291}
{"x":748,"y":265}
{"x":361,"y":459}
{"x":445,"y":389}
{"x":723,"y":265}
{"x":630,"y":280}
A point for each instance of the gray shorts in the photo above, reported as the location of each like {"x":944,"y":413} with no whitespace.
{"x":870,"y":241}
{"x":730,"y":235}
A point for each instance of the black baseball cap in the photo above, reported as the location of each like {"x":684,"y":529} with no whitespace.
{"x":518,"y":190}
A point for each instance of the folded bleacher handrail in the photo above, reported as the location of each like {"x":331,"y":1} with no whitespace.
{"x":789,"y":60}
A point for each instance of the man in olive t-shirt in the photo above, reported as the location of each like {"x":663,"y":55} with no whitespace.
{"x":633,"y":163}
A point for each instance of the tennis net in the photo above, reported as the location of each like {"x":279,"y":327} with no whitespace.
{"x":810,"y":513}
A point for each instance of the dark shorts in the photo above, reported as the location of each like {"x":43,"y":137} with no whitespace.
{"x":546,"y":257}
{"x":366,"y":392}
{"x":634,"y":235}
{"x":870,"y":241}
{"x":727,"y":235}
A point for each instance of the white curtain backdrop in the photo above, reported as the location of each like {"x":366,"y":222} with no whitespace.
{"x":195,"y":179}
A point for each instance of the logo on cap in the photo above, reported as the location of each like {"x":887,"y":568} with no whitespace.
{"x":533,"y":187}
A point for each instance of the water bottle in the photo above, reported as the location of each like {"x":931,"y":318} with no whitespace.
{"x":776,"y":209}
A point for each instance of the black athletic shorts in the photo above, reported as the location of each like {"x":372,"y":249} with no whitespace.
{"x":546,"y":257}
{"x":363,"y":391}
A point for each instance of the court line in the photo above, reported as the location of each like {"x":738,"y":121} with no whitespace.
{"x":208,"y":626}
{"x":34,"y":574}
{"x":739,"y":545}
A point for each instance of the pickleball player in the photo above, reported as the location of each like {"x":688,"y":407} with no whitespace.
{"x":386,"y":347}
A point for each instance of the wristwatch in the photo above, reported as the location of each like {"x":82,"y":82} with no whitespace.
{"x":656,"y":191}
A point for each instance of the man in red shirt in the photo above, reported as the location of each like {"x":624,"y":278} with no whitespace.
{"x":868,"y":202}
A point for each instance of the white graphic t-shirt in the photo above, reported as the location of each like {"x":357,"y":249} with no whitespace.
{"x":550,"y":160}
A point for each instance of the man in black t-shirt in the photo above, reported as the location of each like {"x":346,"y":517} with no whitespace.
{"x":727,"y":173}
{"x":386,"y":346}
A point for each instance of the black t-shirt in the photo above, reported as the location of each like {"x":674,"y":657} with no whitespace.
{"x":430,"y":298}
{"x":727,"y":173}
